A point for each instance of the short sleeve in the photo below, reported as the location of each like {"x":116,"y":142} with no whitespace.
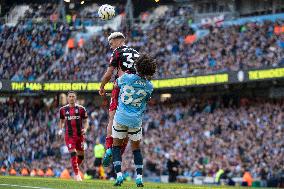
{"x":62,"y":113}
{"x":114,"y":59}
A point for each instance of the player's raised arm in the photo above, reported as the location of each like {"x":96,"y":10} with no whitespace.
{"x":106,"y":79}
{"x":116,"y":40}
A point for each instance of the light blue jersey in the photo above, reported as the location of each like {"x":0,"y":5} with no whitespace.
{"x":133,"y":97}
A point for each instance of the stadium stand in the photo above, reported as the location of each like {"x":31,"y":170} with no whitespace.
{"x":252,"y":45}
{"x":232,"y":134}
{"x":30,"y":47}
{"x":208,"y":135}
{"x":248,"y":46}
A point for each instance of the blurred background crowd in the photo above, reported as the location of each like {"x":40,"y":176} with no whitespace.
{"x":35,"y":47}
{"x":204,"y":135}
{"x":224,"y":49}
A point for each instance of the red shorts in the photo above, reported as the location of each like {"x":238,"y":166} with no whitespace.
{"x":114,"y":98}
{"x":76,"y":143}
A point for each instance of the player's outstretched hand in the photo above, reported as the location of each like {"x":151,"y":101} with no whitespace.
{"x":102,"y":92}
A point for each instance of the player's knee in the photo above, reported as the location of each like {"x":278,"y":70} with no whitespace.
{"x":125,"y":141}
{"x":117,"y":142}
{"x":135,"y":145}
{"x":73,"y":154}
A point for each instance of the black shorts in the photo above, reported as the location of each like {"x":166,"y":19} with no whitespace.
{"x":98,"y":162}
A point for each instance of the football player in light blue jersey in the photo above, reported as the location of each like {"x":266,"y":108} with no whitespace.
{"x":135,"y":92}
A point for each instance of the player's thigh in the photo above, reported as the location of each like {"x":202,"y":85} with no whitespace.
{"x":114,"y":99}
{"x":119,"y":133}
{"x":80,"y":141}
{"x":109,"y":126}
{"x":70,"y":143}
{"x":135,"y":134}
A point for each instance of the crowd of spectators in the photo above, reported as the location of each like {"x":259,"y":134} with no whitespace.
{"x":37,"y":41}
{"x":234,"y":135}
{"x":88,"y":63}
{"x":41,"y":11}
{"x":253,"y":45}
{"x":30,"y":47}
{"x":29,"y":132}
{"x":205,"y":135}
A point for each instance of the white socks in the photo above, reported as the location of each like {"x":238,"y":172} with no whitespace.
{"x":119,"y":174}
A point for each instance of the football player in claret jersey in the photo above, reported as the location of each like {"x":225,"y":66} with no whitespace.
{"x":122,"y":61}
{"x":134,"y":93}
{"x":73,"y":118}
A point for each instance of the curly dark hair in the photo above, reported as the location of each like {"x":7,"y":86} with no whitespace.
{"x":145,"y":65}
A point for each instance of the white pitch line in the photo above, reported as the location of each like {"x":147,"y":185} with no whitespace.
{"x":14,"y":185}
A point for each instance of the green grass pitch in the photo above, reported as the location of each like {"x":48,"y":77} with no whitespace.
{"x":10,"y":182}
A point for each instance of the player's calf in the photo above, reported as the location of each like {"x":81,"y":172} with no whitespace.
{"x":74,"y":162}
{"x":107,"y":157}
{"x":108,"y":154}
{"x":117,"y":159}
{"x":109,"y":139}
{"x":80,"y":159}
{"x":138,"y":161}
